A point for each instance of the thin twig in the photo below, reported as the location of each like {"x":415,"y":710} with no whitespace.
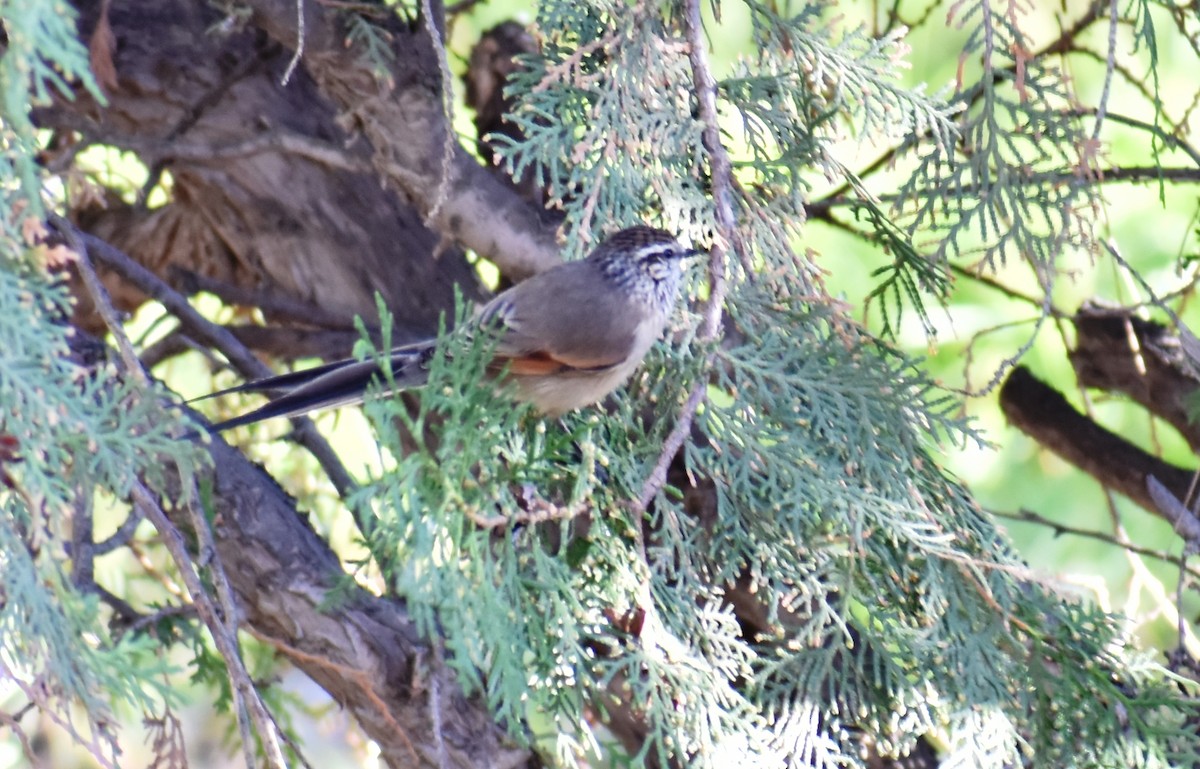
{"x":223,"y":637}
{"x":1167,"y":138}
{"x":299,"y":52}
{"x":13,"y":723}
{"x":237,"y":353}
{"x":1011,"y":361}
{"x":994,"y":284}
{"x":968,"y":353}
{"x":177,"y":610}
{"x":446,"y":171}
{"x":1132,"y":79}
{"x":723,"y":195}
{"x":1028,"y":516}
{"x":271,"y":303}
{"x":175,"y":303}
{"x":100,"y":297}
{"x":121,"y":536}
{"x":122,"y":608}
{"x":40,"y":694}
{"x":1066,"y":39}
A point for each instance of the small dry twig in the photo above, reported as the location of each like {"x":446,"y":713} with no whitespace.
{"x":221,"y":625}
{"x":727,"y":236}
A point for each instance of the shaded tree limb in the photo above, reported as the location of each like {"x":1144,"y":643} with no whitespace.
{"x":273,"y":304}
{"x":279,"y":342}
{"x":245,"y":361}
{"x":361,"y":649}
{"x":406,"y":127}
{"x":1042,"y":413}
{"x":1117,"y":351}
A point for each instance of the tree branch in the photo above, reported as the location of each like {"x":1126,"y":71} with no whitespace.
{"x":406,"y":126}
{"x":245,"y":361}
{"x":246,"y":700}
{"x":221,"y":626}
{"x":1117,"y":351}
{"x":1058,"y":529}
{"x":1043,"y":414}
{"x":362,"y":649}
{"x":705,"y":86}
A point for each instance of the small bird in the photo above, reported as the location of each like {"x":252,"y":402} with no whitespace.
{"x":566,"y":337}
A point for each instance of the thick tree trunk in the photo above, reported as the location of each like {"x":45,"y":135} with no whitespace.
{"x":268,"y":192}
{"x":276,"y":201}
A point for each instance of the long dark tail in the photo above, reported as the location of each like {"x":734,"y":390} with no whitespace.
{"x":340,"y":383}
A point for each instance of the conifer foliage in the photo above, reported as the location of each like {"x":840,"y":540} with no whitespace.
{"x":750,"y":556}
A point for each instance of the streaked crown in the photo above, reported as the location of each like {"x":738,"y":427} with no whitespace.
{"x":645,"y":261}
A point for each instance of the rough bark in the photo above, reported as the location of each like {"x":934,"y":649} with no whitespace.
{"x":404,"y":123}
{"x":268,"y":191}
{"x":1119,"y":352}
{"x":362,"y":649}
{"x":1042,"y":413}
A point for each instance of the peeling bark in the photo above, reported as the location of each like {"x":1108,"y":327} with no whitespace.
{"x":1119,"y":352}
{"x":268,"y":190}
{"x":362,"y":649}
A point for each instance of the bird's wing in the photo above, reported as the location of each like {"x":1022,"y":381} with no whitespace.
{"x":559,"y":322}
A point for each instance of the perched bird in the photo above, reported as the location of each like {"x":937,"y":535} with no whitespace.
{"x":565,"y":338}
